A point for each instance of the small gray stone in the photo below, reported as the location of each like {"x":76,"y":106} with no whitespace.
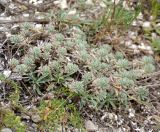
{"x":25,"y":116}
{"x":146,"y":25}
{"x":6,"y":73}
{"x":90,"y":126}
{"x":36,"y":118}
{"x":4,"y":2}
{"x":6,"y":130}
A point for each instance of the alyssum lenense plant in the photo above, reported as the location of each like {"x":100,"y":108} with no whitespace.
{"x":97,"y":75}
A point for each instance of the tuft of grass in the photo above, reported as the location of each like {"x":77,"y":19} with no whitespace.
{"x":57,"y":111}
{"x":155,"y":10}
{"x":15,"y":94}
{"x":10,"y":120}
{"x":156,"y":45}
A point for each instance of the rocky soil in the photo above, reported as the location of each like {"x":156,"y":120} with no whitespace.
{"x":136,"y":42}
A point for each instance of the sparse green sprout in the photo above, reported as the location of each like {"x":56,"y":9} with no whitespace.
{"x":136,"y":73}
{"x":107,"y":47}
{"x":87,"y":78}
{"x":147,"y":60}
{"x":84,"y":55}
{"x":62,"y":51}
{"x":22,"y":69}
{"x":101,"y":96}
{"x":102,"y":82}
{"x":35,"y":52}
{"x":71,"y":68}
{"x":69,"y":44}
{"x":133,"y":74}
{"x":78,"y":31}
{"x":47,"y":47}
{"x":123,"y":98}
{"x":149,"y":68}
{"x":77,"y":87}
{"x":13,"y":62}
{"x":56,"y":44}
{"x":29,"y":61}
{"x":104,"y":66}
{"x":45,"y":70}
{"x":125,"y":74}
{"x":50,"y":14}
{"x":51,"y":29}
{"x":81,"y":45}
{"x":156,"y":42}
{"x":26,"y":33}
{"x":110,"y":58}
{"x":59,"y":37}
{"x":123,"y":63}
{"x":95,"y":65}
{"x":54,"y":65}
{"x":142,"y":93}
{"x":26,"y":26}
{"x":16,"y":39}
{"x":102,"y":52}
{"x":46,"y":55}
{"x":119,"y":55}
{"x":125,"y":82}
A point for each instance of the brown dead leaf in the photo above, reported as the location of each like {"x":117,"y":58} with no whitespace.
{"x":47,"y":111}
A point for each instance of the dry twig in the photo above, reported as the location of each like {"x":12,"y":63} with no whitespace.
{"x":41,"y":21}
{"x":39,"y":8}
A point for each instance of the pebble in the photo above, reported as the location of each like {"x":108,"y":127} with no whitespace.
{"x":136,"y":51}
{"x":125,"y":5}
{"x":134,"y":23}
{"x":1,"y":64}
{"x":38,"y":26}
{"x":108,"y":129}
{"x":6,"y":73}
{"x":115,"y":1}
{"x":25,"y":116}
{"x":133,"y":125}
{"x":133,"y":46}
{"x":140,"y":16}
{"x":102,"y":4}
{"x":90,"y":126}
{"x":5,"y":18}
{"x":26,"y":15}
{"x":36,"y":118}
{"x":34,"y":125}
{"x":4,"y":2}
{"x":89,"y":2}
{"x":6,"y":130}
{"x":128,"y":43}
{"x":146,"y":25}
{"x":72,"y":12}
{"x":63,"y":4}
{"x":131,"y":113}
{"x":154,"y":35}
{"x":110,"y":116}
{"x":132,"y":35}
{"x":35,"y":2}
{"x":142,"y":46}
{"x":140,"y":129}
{"x":104,"y":117}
